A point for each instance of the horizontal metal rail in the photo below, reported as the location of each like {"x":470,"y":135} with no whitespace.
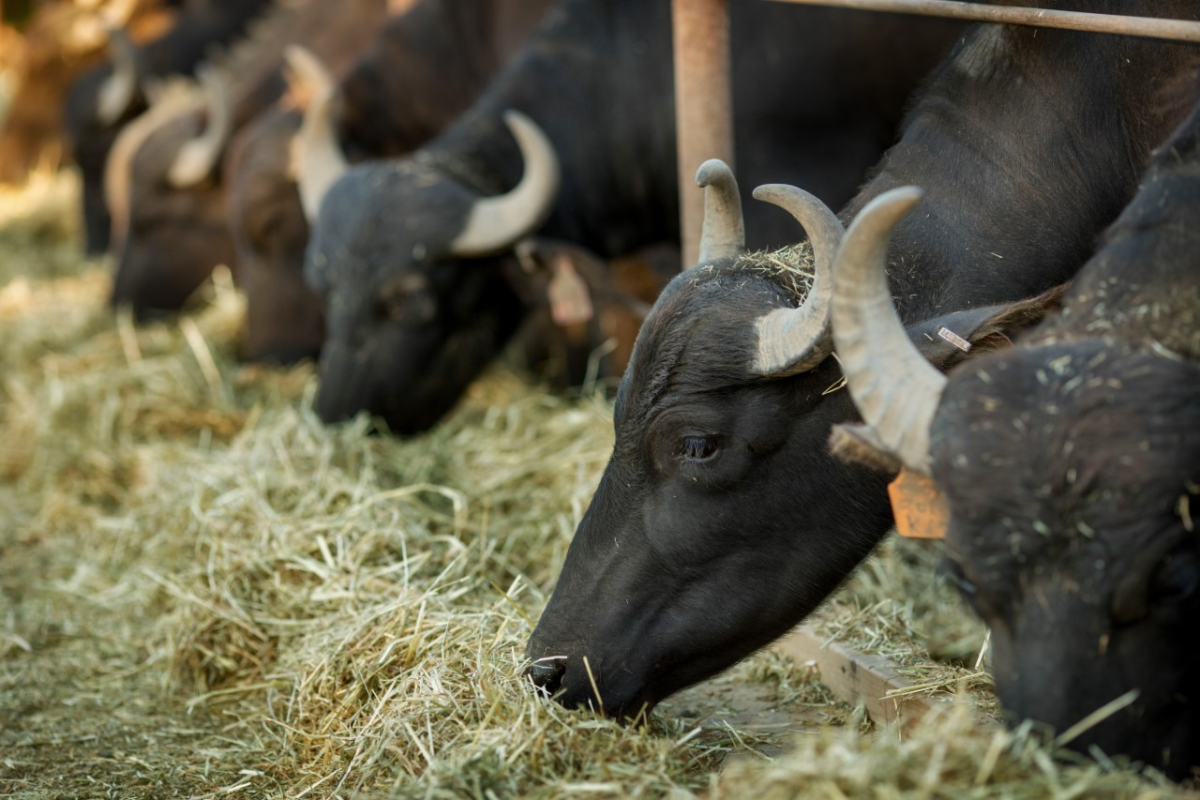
{"x":1179,"y":30}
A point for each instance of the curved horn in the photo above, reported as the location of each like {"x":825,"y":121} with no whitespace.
{"x":792,"y":340}
{"x":198,"y":156}
{"x":895,"y":388}
{"x":723,"y":234}
{"x":495,"y":223}
{"x":118,"y":89}
{"x":317,"y":159}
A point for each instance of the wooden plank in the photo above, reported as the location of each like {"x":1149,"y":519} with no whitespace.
{"x":856,"y":677}
{"x":703,"y":105}
{"x":1149,"y":27}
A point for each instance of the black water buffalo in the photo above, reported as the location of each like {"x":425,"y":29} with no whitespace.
{"x":1069,"y":464}
{"x":108,"y":96}
{"x":721,"y":519}
{"x":409,"y":84}
{"x":413,"y":257}
{"x":163,"y":178}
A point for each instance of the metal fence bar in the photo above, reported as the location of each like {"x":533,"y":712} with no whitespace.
{"x":1178,"y":30}
{"x":703,"y":105}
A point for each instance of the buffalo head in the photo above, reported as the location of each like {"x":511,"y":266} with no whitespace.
{"x":1069,"y":466}
{"x":709,"y":534}
{"x":167,"y":212}
{"x":409,"y":257}
{"x":1082,"y":556}
{"x":284,"y":317}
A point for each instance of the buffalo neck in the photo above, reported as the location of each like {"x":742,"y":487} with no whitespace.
{"x":1141,"y":286}
{"x":404,"y":91}
{"x":596,"y":77}
{"x":1045,"y":134}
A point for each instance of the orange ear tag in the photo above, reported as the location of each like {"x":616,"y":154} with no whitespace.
{"x":919,"y":507}
{"x":570,"y":302}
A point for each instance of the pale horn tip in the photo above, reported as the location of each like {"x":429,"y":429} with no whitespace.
{"x":712,"y":171}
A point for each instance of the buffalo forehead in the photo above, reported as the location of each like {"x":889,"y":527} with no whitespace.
{"x":379,"y":219}
{"x":699,"y":337}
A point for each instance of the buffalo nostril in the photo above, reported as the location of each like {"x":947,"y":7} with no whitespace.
{"x":546,"y":673}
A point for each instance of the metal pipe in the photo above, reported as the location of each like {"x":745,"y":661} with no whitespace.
{"x":1178,"y":30}
{"x":703,"y":105}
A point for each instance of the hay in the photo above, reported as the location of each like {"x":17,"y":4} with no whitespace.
{"x":791,"y":267}
{"x":901,"y":606}
{"x":948,"y":755}
{"x":296,"y":610}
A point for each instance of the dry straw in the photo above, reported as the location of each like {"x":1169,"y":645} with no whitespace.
{"x":353,"y":608}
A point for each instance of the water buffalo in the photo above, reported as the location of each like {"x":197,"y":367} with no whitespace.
{"x":411,"y":257}
{"x":60,"y":42}
{"x":111,"y":94}
{"x":1068,"y":464}
{"x":163,"y":179}
{"x":407,"y":86}
{"x":721,"y":519}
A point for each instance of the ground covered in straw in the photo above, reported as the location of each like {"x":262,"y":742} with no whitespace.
{"x":205,"y":592}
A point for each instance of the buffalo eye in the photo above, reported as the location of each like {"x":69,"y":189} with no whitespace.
{"x":698,"y":449}
{"x":1176,"y":579}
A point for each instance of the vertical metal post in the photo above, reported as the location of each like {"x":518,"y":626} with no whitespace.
{"x":703,"y":104}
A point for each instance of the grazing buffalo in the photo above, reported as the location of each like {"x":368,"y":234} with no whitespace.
{"x":59,"y":43}
{"x":721,"y":519}
{"x":163,"y":177}
{"x":575,"y":142}
{"x":110,"y":95}
{"x":407,"y":86}
{"x":1069,"y":464}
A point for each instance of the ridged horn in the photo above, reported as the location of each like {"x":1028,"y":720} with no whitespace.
{"x":198,"y":156}
{"x":118,"y":89}
{"x":895,"y":388}
{"x":792,"y":340}
{"x":317,"y":158}
{"x":496,"y":223}
{"x":723,"y":234}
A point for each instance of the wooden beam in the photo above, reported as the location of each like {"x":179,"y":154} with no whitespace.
{"x":703,"y":105}
{"x":856,"y":677}
{"x":1172,"y":29}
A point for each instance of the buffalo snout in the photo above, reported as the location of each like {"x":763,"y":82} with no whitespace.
{"x":546,"y":674}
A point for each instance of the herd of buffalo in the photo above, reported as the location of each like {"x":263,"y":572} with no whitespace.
{"x":1006,"y":301}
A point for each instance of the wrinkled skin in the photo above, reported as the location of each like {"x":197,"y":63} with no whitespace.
{"x":798,"y":124}
{"x":1082,"y":553}
{"x":775,"y":530}
{"x":397,"y":96}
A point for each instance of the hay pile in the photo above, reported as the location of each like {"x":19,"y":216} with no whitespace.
{"x":948,"y":756}
{"x":252,"y":604}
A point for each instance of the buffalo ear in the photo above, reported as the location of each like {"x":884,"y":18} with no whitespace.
{"x":857,"y":443}
{"x":942,"y":341}
{"x":959,"y":336}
